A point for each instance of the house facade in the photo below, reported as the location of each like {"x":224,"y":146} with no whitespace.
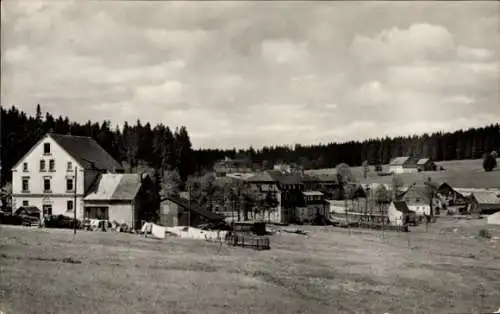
{"x":55,"y":174}
{"x":314,"y":206}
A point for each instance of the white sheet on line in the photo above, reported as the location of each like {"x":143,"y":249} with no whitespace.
{"x":158,"y":231}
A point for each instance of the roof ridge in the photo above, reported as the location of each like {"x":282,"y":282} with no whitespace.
{"x":69,"y":135}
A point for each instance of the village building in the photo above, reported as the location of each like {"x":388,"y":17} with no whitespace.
{"x":122,"y":198}
{"x":484,"y":202}
{"x":64,"y":174}
{"x":228,"y":165}
{"x":313,"y":208}
{"x":399,"y":213}
{"x":409,"y":164}
{"x":176,"y":211}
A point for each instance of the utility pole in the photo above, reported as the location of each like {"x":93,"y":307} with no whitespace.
{"x":75,"y":203}
{"x":189,"y":205}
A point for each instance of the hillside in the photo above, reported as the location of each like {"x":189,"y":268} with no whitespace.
{"x":458,"y":173}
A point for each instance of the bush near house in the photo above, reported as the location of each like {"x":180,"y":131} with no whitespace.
{"x":10,"y":219}
{"x":62,"y":222}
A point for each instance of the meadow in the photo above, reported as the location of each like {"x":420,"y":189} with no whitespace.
{"x":457,"y":173}
{"x":445,"y":269}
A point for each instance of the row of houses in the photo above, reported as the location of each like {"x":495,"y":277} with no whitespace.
{"x":72,"y":175}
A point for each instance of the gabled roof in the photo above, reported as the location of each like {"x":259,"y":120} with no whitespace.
{"x":402,"y":207}
{"x":399,"y":161}
{"x":422,"y":161}
{"x":195,"y":207}
{"x":113,"y":186}
{"x":86,"y":152}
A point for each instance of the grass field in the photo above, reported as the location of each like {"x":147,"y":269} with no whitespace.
{"x":445,"y":270}
{"x":458,"y":173}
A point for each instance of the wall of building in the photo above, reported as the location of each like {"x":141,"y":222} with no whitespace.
{"x":420,"y":209}
{"x":122,"y":213}
{"x":59,"y":204}
{"x":36,"y":195}
{"x":395,"y":216}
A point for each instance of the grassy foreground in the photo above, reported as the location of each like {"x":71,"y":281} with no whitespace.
{"x":445,"y":270}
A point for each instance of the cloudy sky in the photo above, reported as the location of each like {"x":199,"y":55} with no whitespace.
{"x":240,"y":74}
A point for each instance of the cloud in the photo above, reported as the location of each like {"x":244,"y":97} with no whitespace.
{"x":248,"y":74}
{"x":419,"y":41}
{"x":284,"y":51}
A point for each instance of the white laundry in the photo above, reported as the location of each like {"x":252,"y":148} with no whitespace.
{"x":158,"y":231}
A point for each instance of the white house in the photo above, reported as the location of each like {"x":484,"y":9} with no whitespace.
{"x":397,"y":164}
{"x":56,"y":173}
{"x":397,"y":213}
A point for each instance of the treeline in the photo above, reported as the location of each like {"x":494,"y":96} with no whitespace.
{"x":462,"y":144}
{"x":160,"y":147}
{"x":136,"y":145}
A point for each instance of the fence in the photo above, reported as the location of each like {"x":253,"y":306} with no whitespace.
{"x":255,"y":242}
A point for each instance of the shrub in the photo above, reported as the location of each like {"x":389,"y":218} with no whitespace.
{"x":484,"y":233}
{"x":61,"y":221}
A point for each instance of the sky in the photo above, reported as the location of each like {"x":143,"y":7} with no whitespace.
{"x":246,"y":73}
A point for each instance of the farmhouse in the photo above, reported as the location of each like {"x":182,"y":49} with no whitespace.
{"x":64,"y":174}
{"x":398,"y":165}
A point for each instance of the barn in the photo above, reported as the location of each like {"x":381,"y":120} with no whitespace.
{"x":175,"y":211}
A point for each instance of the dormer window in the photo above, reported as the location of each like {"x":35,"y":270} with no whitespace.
{"x":25,"y":167}
{"x":46,"y":148}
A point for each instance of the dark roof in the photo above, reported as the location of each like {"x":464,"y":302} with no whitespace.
{"x":195,"y":207}
{"x":417,"y":194}
{"x":30,"y":210}
{"x":87,"y":152}
{"x":402,"y":207}
{"x":284,"y":178}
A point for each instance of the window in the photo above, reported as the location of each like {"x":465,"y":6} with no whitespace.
{"x":52,"y":165}
{"x":46,"y":184}
{"x":70,"y":166}
{"x":42,"y":165}
{"x":25,"y":184}
{"x":46,"y":148}
{"x":69,"y":205}
{"x":26,"y":203}
{"x":25,"y":167}
{"x":69,"y":184}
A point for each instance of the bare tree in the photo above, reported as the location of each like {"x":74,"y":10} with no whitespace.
{"x":396,"y":187}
